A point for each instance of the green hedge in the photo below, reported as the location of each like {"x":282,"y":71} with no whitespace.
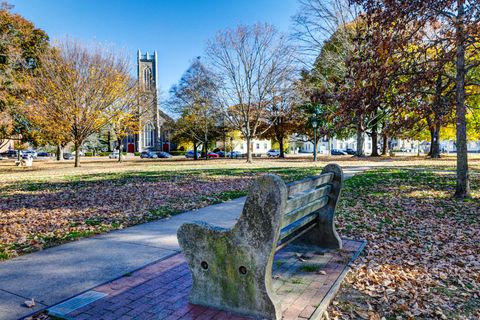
{"x":137,"y":154}
{"x":88,"y":154}
{"x":177,"y":153}
{"x":104,"y":154}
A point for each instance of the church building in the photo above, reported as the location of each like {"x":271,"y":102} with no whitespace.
{"x":154,"y":132}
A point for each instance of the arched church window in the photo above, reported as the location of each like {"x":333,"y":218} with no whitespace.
{"x":148,"y":133}
{"x":147,"y":77}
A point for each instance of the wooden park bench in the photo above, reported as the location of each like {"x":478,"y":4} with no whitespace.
{"x":232,"y":268}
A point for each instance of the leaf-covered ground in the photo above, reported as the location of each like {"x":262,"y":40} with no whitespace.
{"x":35,"y":214}
{"x":423,"y":252}
{"x":422,"y":260}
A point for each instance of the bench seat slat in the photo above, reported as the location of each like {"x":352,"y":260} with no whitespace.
{"x":302,"y":199}
{"x":309,"y":183}
{"x":299,"y":213}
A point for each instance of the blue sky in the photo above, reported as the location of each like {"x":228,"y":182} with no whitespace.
{"x":177,"y":29}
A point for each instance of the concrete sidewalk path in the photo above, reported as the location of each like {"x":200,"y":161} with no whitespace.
{"x":57,"y":273}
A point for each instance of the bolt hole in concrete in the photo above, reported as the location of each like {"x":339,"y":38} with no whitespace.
{"x":204,"y":265}
{"x":242,"y":270}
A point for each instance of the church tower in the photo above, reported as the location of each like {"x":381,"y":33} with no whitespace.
{"x":154,"y":124}
{"x":149,"y":135}
{"x":147,"y":70}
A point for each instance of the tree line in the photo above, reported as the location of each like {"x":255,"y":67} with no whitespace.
{"x":55,"y":94}
{"x":384,"y":69}
{"x":398,"y":68}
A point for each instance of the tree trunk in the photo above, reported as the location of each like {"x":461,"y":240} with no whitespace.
{"x":249,"y":150}
{"x":329,"y":143}
{"x":119,"y":142}
{"x":77,"y":155}
{"x":109,"y":138}
{"x":435,"y":146}
{"x":277,"y":127}
{"x":432,"y":133}
{"x":360,"y":138}
{"x":375,"y":137}
{"x":463,"y":183}
{"x":59,"y":152}
{"x":195,"y":157}
{"x":205,"y":148}
{"x":282,"y":153}
{"x":385,"y":144}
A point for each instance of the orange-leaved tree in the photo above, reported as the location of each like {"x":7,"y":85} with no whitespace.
{"x":79,"y":88}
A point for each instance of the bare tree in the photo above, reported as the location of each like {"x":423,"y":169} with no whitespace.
{"x":333,"y":39}
{"x":318,"y":21}
{"x":250,"y":62}
{"x":78,"y":87}
{"x":193,"y":101}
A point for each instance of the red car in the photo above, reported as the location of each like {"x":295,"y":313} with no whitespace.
{"x":213,"y":155}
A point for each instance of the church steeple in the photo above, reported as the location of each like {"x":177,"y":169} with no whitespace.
{"x":147,"y":70}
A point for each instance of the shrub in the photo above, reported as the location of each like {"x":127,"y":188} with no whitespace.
{"x":137,"y":154}
{"x":177,"y":153}
{"x":88,"y":154}
{"x":104,"y":154}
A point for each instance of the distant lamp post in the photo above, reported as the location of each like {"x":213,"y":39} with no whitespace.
{"x":231,"y":147}
{"x":314,"y":125}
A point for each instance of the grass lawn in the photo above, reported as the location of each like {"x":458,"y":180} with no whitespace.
{"x":48,"y":206}
{"x":52,"y":202}
{"x":422,"y":257}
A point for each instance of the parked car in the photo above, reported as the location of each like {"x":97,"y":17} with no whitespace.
{"x":191,"y":153}
{"x":68,"y":156}
{"x":213,"y":155}
{"x":221,"y":154}
{"x":148,"y":155}
{"x":10,"y":154}
{"x":163,"y":154}
{"x":234,"y":154}
{"x":80,"y":153}
{"x":32,"y":153}
{"x":43,"y":154}
{"x":114,"y":155}
{"x":350,"y":151}
{"x":273,"y":153}
{"x":336,"y":152}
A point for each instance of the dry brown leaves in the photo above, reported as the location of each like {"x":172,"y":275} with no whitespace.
{"x":31,"y":220}
{"x":422,"y":260}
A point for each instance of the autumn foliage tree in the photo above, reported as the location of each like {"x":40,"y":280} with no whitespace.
{"x":79,"y":87}
{"x":125,"y":115}
{"x":459,"y":32}
{"x":21,"y":43}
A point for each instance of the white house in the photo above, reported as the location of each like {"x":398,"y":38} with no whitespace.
{"x":260,"y":146}
{"x":451,"y":146}
{"x":324,"y":147}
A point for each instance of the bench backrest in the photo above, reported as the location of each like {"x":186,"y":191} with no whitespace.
{"x":306,"y":199}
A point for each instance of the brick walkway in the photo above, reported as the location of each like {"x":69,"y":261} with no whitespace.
{"x":302,"y":279}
